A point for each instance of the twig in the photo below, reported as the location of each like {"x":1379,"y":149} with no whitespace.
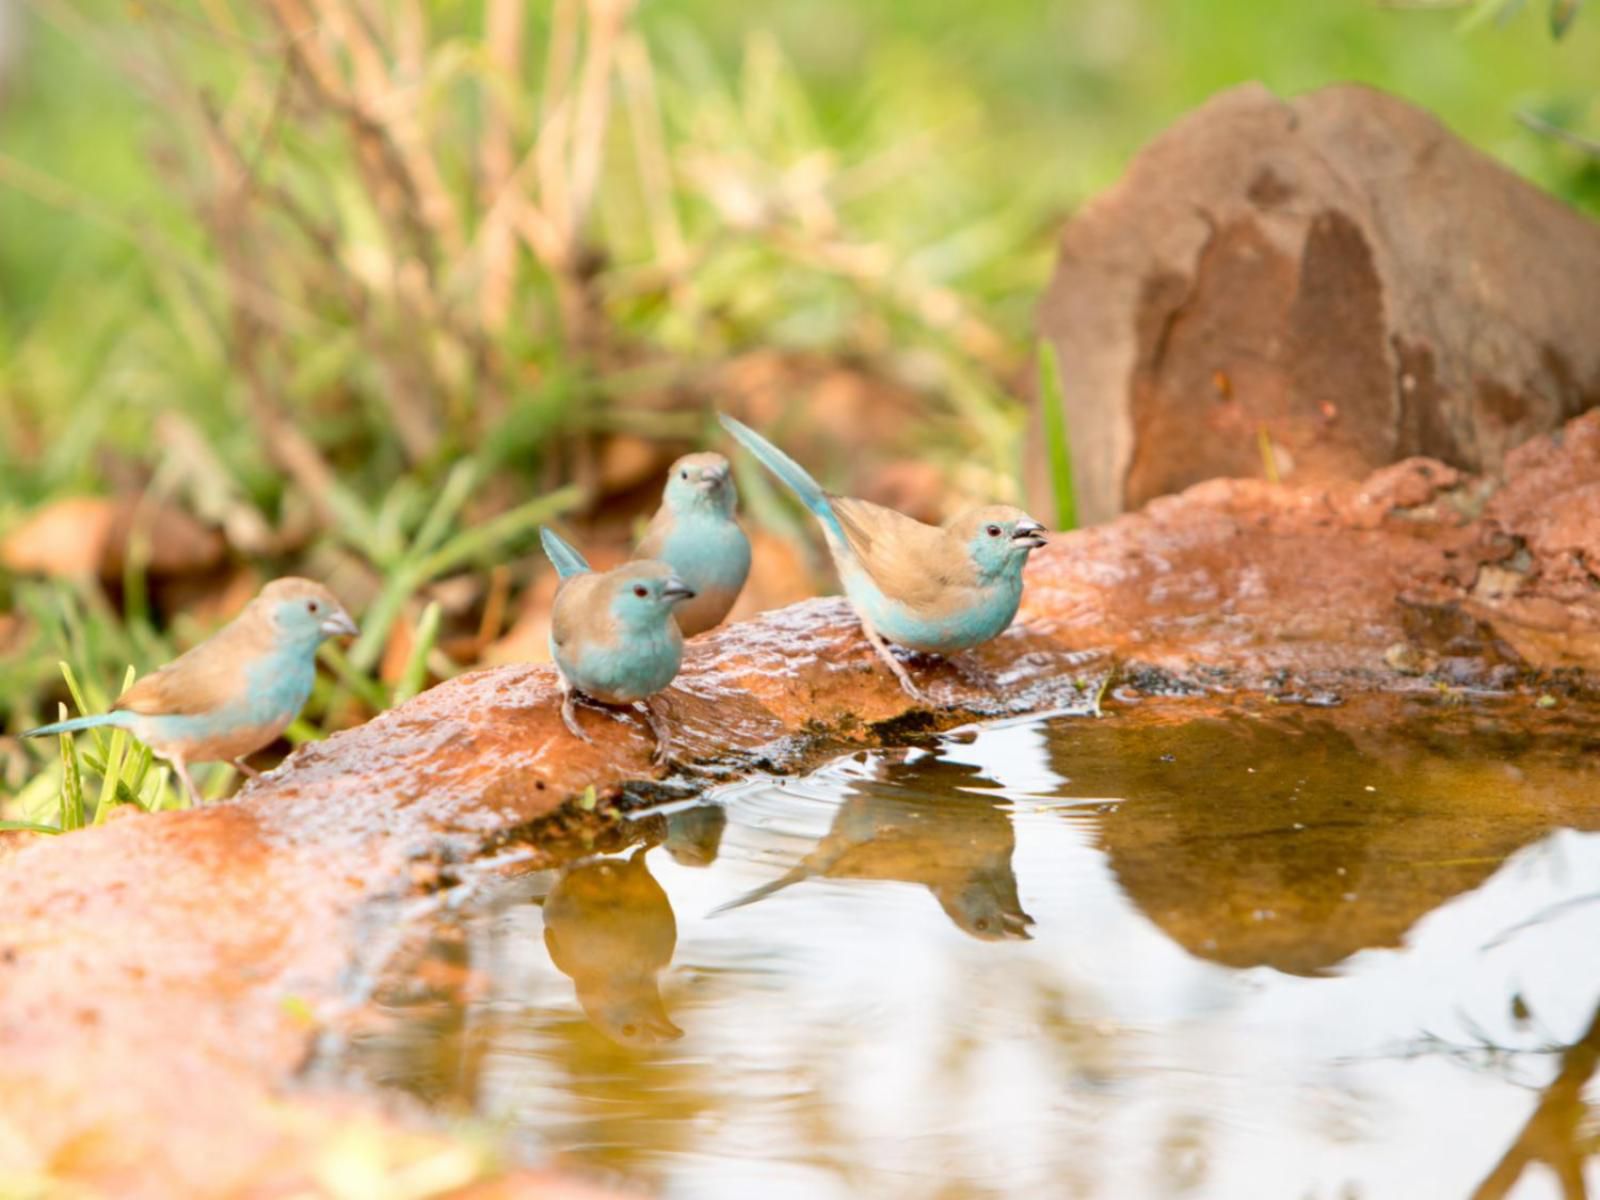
{"x":497,"y":248}
{"x":649,"y":148}
{"x":1590,"y":146}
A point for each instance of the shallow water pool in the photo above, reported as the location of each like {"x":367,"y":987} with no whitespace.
{"x":1173,"y":951}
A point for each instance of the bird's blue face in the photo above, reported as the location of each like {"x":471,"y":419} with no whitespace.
{"x":701,"y":481}
{"x":646,"y":594}
{"x":1000,"y":538}
{"x":307,"y":616}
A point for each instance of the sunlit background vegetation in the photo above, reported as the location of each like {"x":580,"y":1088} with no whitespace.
{"x":374,"y":286}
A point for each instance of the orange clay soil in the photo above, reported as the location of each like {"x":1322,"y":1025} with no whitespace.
{"x":162,"y":978}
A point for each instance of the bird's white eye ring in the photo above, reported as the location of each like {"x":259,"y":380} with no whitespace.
{"x":641,"y":591}
{"x":993,"y":531}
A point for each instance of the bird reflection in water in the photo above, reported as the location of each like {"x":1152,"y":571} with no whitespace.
{"x":609,"y":928}
{"x":923,"y":820}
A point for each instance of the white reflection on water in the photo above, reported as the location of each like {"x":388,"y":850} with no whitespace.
{"x":844,"y":1038}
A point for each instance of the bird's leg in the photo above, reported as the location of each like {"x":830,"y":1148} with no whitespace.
{"x":569,"y":710}
{"x":658,"y":727}
{"x":900,"y":673}
{"x":182,"y":768}
{"x":246,"y":769}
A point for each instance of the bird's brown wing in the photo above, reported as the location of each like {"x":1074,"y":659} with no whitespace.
{"x":655,"y":535}
{"x":581,"y":609}
{"x":204,"y":678}
{"x":909,"y":561}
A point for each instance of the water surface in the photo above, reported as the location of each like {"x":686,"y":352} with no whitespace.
{"x":1167,"y":953}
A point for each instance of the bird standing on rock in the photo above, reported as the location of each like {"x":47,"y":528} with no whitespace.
{"x":236,"y":691}
{"x":696,"y":533}
{"x":934,"y":588}
{"x":612,"y":634}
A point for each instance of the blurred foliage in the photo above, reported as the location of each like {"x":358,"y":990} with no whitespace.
{"x":364,"y":283}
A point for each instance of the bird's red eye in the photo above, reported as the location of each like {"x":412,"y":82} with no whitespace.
{"x":312,"y":605}
{"x":993,"y":531}
{"x":641,"y":591}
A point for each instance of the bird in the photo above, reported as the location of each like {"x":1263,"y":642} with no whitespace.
{"x":927,"y":822}
{"x":696,"y":533}
{"x":939,"y":589}
{"x":608,"y":926}
{"x":612,"y":635}
{"x":236,"y":691}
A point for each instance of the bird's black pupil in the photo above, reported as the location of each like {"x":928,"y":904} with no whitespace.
{"x":994,"y":531}
{"x":312,"y":606}
{"x":685,"y":474}
{"x":638,"y":591}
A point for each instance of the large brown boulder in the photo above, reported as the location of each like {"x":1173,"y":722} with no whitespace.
{"x":1326,"y":284}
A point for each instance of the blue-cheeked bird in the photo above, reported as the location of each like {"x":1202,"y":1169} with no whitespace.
{"x":696,"y":533}
{"x":612,"y":634}
{"x":935,"y":588}
{"x":236,"y":691}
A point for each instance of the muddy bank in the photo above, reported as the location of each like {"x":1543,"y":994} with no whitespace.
{"x":163,"y":977}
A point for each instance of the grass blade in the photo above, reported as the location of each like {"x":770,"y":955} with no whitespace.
{"x":27,"y":827}
{"x":1057,"y":447}
{"x":416,"y":668}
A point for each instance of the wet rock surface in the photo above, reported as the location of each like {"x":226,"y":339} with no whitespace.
{"x":1332,"y":283}
{"x":163,"y":977}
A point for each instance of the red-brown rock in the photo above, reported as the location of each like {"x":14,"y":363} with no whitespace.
{"x":1331,"y":283}
{"x":157,"y":973}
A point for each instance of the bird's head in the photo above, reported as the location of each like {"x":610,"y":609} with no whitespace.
{"x":999,"y":538}
{"x":645,"y":593}
{"x":302,"y":611}
{"x":986,"y":906}
{"x":632,"y":1016}
{"x":701,"y":481}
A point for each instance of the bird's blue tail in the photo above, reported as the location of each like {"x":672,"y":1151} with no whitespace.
{"x":568,"y":562}
{"x":77,"y":723}
{"x":795,"y":477}
{"x":786,"y":880}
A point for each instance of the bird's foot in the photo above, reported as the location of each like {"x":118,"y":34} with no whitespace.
{"x":569,"y":715}
{"x":246,"y":769}
{"x":893,"y":663}
{"x":196,"y":800}
{"x":661,"y":731}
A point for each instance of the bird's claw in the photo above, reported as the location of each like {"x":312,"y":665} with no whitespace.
{"x":662,"y":755}
{"x":893,"y":663}
{"x":569,"y":715}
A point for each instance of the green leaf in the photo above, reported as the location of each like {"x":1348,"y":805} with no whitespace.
{"x":416,"y":668}
{"x":1057,"y":448}
{"x":27,"y":827}
{"x":1484,"y":11}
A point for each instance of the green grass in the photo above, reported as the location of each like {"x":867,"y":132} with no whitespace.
{"x":226,"y":298}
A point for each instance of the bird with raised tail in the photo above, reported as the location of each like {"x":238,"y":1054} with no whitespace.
{"x":696,"y":533}
{"x":236,"y":691}
{"x":612,"y":635}
{"x":939,"y":589}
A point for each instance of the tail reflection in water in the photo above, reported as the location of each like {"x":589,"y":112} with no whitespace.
{"x":609,"y":928}
{"x":920,"y":820}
